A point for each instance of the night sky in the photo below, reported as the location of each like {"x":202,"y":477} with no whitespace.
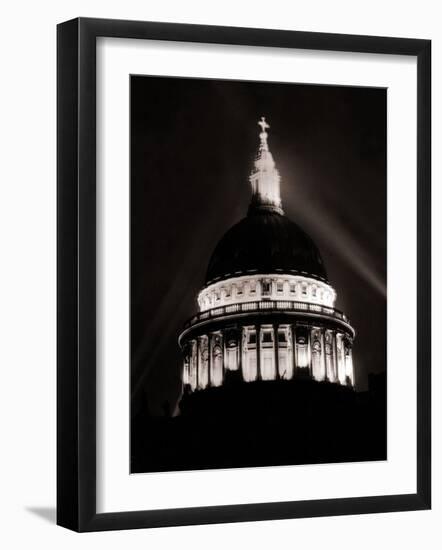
{"x":192,"y":146}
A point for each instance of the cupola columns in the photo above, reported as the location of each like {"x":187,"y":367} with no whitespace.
{"x":265,"y":179}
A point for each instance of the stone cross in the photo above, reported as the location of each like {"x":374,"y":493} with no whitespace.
{"x":263,"y":124}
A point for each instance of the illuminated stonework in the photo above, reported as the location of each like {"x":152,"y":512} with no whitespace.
{"x":250,"y":288}
{"x":267,"y":309}
{"x":264,"y":179}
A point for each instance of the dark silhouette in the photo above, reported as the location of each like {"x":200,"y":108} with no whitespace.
{"x":265,"y":424}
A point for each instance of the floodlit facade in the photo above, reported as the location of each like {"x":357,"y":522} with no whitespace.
{"x":266,"y":311}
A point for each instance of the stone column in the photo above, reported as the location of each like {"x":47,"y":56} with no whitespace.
{"x":276,"y":349}
{"x":244,"y":350}
{"x":184,"y":376}
{"x":348,"y":362}
{"x":335,"y":357}
{"x":309,"y":351}
{"x":323,"y":362}
{"x":224,"y":351}
{"x":352,"y":372}
{"x":240,"y":337}
{"x":341,"y":358}
{"x":197,"y":361}
{"x":293,"y":327}
{"x":328,"y":356}
{"x":209,"y":359}
{"x":258,"y":351}
{"x":192,"y":368}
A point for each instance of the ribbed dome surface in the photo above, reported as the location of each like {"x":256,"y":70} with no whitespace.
{"x":265,"y":242}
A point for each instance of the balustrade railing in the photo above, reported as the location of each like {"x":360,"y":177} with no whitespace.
{"x":267,"y":305}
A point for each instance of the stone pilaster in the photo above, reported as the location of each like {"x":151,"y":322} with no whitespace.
{"x":276,"y":349}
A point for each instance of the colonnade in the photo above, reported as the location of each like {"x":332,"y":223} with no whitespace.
{"x":268,"y":352}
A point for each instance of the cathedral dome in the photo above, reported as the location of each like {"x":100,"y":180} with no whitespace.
{"x":266,"y":311}
{"x":265,"y":242}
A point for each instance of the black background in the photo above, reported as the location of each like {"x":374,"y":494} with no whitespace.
{"x":192,"y":146}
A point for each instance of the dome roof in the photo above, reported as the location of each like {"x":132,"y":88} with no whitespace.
{"x":265,"y":242}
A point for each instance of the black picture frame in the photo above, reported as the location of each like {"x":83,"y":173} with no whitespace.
{"x":76,"y":274}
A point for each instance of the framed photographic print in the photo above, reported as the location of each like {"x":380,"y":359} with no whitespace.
{"x":243,"y":274}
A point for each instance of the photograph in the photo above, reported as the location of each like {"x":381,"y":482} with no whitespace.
{"x":258,"y":274}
